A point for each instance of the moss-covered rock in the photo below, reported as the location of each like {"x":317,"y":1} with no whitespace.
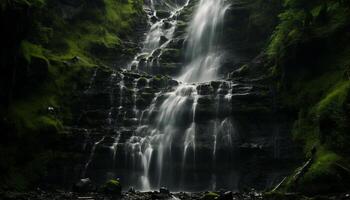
{"x":112,"y":187}
{"x":311,"y":82}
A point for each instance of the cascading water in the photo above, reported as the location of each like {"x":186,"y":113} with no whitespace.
{"x":160,"y":33}
{"x":165,"y":149}
{"x":203,"y":52}
{"x":181,"y":135}
{"x":174,"y":128}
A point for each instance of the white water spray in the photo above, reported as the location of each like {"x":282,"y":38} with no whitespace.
{"x":203,"y":52}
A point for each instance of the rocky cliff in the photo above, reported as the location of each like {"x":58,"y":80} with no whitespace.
{"x":69,"y":111}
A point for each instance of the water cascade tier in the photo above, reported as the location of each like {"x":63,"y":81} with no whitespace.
{"x":162,"y":21}
{"x":191,"y":132}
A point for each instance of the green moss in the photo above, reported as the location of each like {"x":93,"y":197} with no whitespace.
{"x":210,"y":196}
{"x":55,"y":56}
{"x":114,"y":183}
{"x":29,"y":49}
{"x":335,"y":99}
{"x":322,"y":166}
{"x":314,"y":84}
{"x":287,"y":32}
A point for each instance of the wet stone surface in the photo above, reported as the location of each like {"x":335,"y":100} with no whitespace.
{"x":156,"y":195}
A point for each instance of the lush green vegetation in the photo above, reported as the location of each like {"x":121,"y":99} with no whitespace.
{"x":49,"y":48}
{"x":311,"y":52}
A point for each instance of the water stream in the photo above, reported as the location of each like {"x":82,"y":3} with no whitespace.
{"x":174,"y":125}
{"x":159,"y":35}
{"x":163,"y":151}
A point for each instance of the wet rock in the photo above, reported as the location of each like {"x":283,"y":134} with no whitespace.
{"x":180,"y":28}
{"x":204,"y":89}
{"x":251,"y":146}
{"x":176,"y":43}
{"x":172,"y":83}
{"x":242,"y":71}
{"x":141,"y":103}
{"x":83,"y":185}
{"x":204,"y":112}
{"x":112,"y":187}
{"x":163,"y":40}
{"x":131,"y":190}
{"x":172,"y":68}
{"x":167,"y":25}
{"x":205,"y":100}
{"x":142,"y":82}
{"x":103,"y":150}
{"x":130,"y":122}
{"x":164,"y":190}
{"x":170,"y":56}
{"x":108,"y":140}
{"x":215,"y":84}
{"x":154,"y":19}
{"x":226,"y":196}
{"x":163,"y":14}
{"x":156,"y":82}
{"x":156,"y":53}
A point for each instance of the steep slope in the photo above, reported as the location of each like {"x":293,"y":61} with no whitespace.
{"x":49,"y":50}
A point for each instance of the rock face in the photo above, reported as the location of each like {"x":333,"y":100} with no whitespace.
{"x":240,"y":139}
{"x":152,"y":131}
{"x":247,"y":27}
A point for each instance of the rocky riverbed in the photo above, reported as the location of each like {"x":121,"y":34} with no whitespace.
{"x":161,"y":195}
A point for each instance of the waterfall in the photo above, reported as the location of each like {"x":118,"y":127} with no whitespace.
{"x":174,"y":127}
{"x":204,"y":57}
{"x":163,"y":151}
{"x":159,"y":35}
{"x":203,"y":54}
{"x":198,"y":133}
{"x":161,"y":134}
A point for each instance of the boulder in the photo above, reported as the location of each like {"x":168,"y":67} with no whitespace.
{"x":112,"y":187}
